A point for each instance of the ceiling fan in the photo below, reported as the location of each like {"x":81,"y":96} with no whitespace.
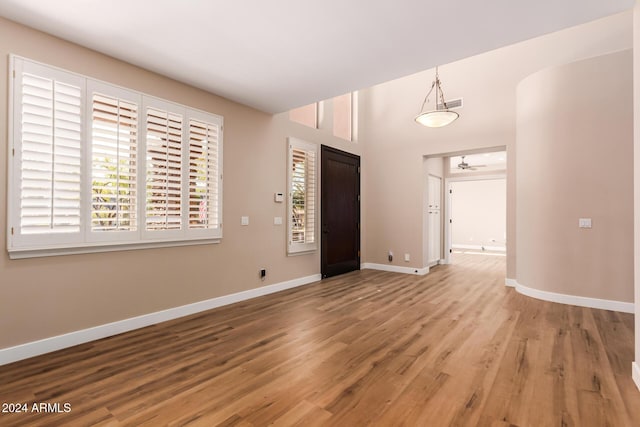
{"x":466,"y":166}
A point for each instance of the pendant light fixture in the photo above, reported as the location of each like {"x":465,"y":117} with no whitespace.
{"x":440,"y":115}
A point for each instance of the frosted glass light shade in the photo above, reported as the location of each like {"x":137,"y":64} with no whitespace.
{"x":436,"y":118}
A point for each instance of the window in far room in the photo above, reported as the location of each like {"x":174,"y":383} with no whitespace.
{"x":307,"y":115}
{"x":342,"y":116}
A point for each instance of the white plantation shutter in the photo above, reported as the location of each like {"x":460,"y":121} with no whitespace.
{"x":204,"y":174}
{"x":114,"y":164}
{"x":95,"y":167}
{"x":47,"y":141}
{"x":302,"y":195}
{"x":164,"y":170}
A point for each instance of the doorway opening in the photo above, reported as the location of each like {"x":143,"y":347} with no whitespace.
{"x":465,"y":206}
{"x":477,"y":220}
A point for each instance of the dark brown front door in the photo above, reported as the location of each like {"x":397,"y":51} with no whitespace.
{"x":340,"y":182}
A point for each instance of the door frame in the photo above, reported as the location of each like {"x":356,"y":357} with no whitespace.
{"x":447,"y":206}
{"x":328,"y":149}
{"x":440,"y":259}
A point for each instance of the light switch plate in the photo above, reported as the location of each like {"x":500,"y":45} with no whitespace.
{"x":277,"y":220}
{"x":584,"y":222}
{"x":278,"y":197}
{"x":244,"y":220}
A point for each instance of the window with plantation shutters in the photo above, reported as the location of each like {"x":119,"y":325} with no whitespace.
{"x":164,"y":170}
{"x":114,"y":164}
{"x":204,"y":188}
{"x":95,"y":167}
{"x":302,"y":208}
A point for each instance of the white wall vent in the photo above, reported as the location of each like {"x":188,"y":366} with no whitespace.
{"x":452,"y":104}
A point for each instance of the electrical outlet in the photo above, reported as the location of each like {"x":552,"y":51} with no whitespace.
{"x":263,"y":273}
{"x":390,"y":256}
{"x":407,"y":257}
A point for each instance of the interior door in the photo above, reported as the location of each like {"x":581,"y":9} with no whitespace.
{"x":340,"y":212}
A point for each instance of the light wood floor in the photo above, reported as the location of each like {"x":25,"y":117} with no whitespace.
{"x":454,"y":347}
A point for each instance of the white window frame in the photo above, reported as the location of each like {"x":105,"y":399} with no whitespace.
{"x":294,"y":248}
{"x":86,"y":241}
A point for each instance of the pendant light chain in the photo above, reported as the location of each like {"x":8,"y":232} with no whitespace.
{"x":426,"y":98}
{"x":439,"y":91}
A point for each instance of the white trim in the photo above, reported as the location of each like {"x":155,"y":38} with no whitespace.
{"x":447,"y":221}
{"x":105,"y":247}
{"x":495,"y":175}
{"x":14,"y":68}
{"x":603,"y":304}
{"x":510,"y":283}
{"x":635,"y":368}
{"x":395,"y":268}
{"x":479,"y":247}
{"x":35,"y":348}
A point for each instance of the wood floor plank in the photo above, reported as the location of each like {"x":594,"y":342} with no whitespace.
{"x":454,"y":347}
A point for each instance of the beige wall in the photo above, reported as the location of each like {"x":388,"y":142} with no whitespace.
{"x":45,"y":297}
{"x":395,"y":145}
{"x":575,"y":160}
{"x":479,"y":213}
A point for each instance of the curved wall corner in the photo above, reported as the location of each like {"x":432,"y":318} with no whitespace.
{"x":574,"y":145}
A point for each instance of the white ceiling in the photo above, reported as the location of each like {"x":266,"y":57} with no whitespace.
{"x":279,"y":54}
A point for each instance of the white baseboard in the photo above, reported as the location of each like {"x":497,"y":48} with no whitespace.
{"x":479,"y":247}
{"x":510,"y":283}
{"x":635,"y":368}
{"x":395,"y":268}
{"x":603,"y":304}
{"x":35,"y":348}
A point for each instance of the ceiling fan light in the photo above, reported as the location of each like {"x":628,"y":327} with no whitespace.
{"x":436,"y":118}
